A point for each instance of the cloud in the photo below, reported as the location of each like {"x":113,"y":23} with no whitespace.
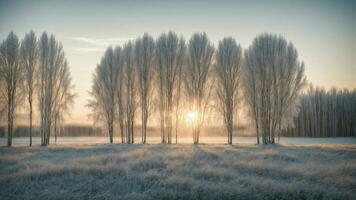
{"x":101,"y":42}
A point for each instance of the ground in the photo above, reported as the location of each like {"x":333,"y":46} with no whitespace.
{"x":241,"y":171}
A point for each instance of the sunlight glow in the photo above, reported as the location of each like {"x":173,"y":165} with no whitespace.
{"x":191,"y":116}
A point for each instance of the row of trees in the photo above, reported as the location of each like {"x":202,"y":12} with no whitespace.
{"x":325,"y":113}
{"x":35,"y":67}
{"x":171,"y":74}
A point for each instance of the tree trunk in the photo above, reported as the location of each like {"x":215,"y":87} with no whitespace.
{"x":110,"y":126}
{"x":30,"y":123}
{"x":132,"y":131}
{"x":145,"y":130}
{"x":176,"y":130}
{"x":143,"y":127}
{"x":257,"y":133}
{"x":55,"y":130}
{"x":9,"y":131}
{"x":122,"y":132}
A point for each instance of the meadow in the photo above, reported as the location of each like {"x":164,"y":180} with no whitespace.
{"x":183,"y":171}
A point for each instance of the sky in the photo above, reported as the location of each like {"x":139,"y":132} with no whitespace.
{"x":324,"y":32}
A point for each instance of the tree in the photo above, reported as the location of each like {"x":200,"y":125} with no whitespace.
{"x":144,"y":57}
{"x":169,"y":54}
{"x":129,"y":74}
{"x":200,"y":53}
{"x":228,"y":70}
{"x":54,"y":84}
{"x":120,"y":93}
{"x":277,"y":79}
{"x":251,"y":96}
{"x":178,"y":103}
{"x":104,"y":91}
{"x":29,"y":55}
{"x":11,"y":76}
{"x":65,"y":98}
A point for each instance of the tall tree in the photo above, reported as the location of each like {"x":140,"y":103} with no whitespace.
{"x":250,"y":83}
{"x":29,"y":55}
{"x":64,"y":100}
{"x":129,"y":73}
{"x":144,"y":57}
{"x":197,"y":72}
{"x":228,"y":69}
{"x":11,"y":75}
{"x":177,"y":100}
{"x":169,"y":54}
{"x":120,"y":92}
{"x":278,"y":77}
{"x":53,"y":79}
{"x":104,"y":91}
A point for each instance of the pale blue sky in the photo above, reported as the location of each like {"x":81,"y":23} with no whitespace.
{"x":324,"y":32}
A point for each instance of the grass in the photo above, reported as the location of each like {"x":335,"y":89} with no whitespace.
{"x":178,"y":172}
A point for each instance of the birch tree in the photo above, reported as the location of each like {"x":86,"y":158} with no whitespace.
{"x":54,"y":73}
{"x":144,"y":57}
{"x":197,"y":72}
{"x":104,"y":91}
{"x":169,"y":54}
{"x":11,"y":76}
{"x":29,"y":55}
{"x":278,"y":79}
{"x":228,"y":70}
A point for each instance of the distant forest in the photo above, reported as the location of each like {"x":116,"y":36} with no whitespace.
{"x":325,"y":113}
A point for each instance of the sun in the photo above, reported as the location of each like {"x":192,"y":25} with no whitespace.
{"x":191,"y":116}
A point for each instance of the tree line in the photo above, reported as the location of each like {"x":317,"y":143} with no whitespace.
{"x":325,"y":113}
{"x":167,"y":74}
{"x":35,"y":70}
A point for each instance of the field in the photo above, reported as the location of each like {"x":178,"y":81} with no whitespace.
{"x":242,"y":171}
{"x":91,"y":140}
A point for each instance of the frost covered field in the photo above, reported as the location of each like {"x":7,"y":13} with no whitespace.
{"x":24,"y":141}
{"x":242,"y":171}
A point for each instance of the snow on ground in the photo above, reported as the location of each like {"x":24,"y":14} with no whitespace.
{"x":120,"y":171}
{"x":23,"y":141}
